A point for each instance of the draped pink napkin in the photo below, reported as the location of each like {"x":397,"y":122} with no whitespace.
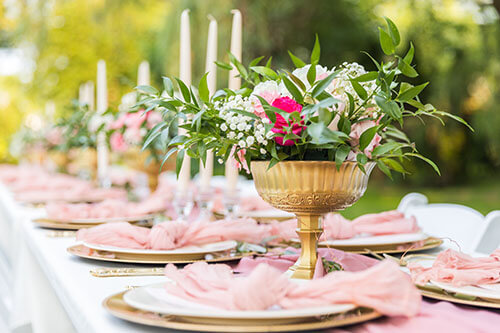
{"x":282,"y":259}
{"x":173,"y":234}
{"x":459,"y":269}
{"x":337,"y":227}
{"x":383,"y":287}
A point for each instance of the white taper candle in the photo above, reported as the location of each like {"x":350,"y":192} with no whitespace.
{"x":207,"y":170}
{"x":234,"y":83}
{"x":102,"y":105}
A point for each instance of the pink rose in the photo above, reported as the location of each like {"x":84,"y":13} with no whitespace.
{"x":135,"y":119}
{"x":117,"y":142}
{"x":118,"y":123}
{"x":359,"y":128}
{"x":288,"y":105}
{"x":153,"y":118}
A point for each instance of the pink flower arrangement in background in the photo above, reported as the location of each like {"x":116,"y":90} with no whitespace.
{"x":117,"y":142}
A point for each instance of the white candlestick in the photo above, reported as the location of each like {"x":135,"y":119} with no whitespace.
{"x":82,"y":91}
{"x":231,"y":171}
{"x":102,"y":105}
{"x":89,"y":95}
{"x":185,"y":76}
{"x":207,"y":169}
{"x":143,"y":74}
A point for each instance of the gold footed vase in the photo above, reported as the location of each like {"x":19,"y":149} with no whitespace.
{"x":309,"y":189}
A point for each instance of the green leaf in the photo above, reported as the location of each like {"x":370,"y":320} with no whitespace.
{"x":315,"y":52}
{"x":373,"y":59}
{"x":147,"y":90}
{"x":358,"y":88}
{"x":384,"y":169}
{"x":407,"y":69}
{"x":323,"y":84}
{"x":202,"y":151}
{"x":296,"y":61}
{"x":367,"y":137}
{"x":410,"y":93}
{"x":245,"y":113}
{"x":311,"y":74}
{"x":370,"y":76}
{"x":154,"y":133}
{"x":223,"y":65}
{"x":394,"y":165}
{"x":169,"y":87}
{"x":184,"y":90}
{"x":344,"y":125}
{"x":255,"y":62}
{"x":178,"y":162}
{"x":297,"y":81}
{"x":409,"y":56}
{"x":325,"y":116}
{"x":203,"y":89}
{"x":268,"y":62}
{"x":239,"y":66}
{"x":167,"y":155}
{"x":425,"y":159}
{"x":386,"y":42}
{"x":362,"y":158}
{"x":341,"y":154}
{"x":272,"y":163}
{"x":315,"y":130}
{"x":454,"y":117}
{"x":387,"y":147}
{"x":393,"y":31}
{"x":389,"y":107}
{"x":395,"y":133}
{"x":264,"y":71}
{"x":292,"y":88}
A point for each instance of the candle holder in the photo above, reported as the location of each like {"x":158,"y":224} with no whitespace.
{"x":204,"y":202}
{"x":310,"y":189}
{"x":183,"y":204}
{"x":231,"y":203}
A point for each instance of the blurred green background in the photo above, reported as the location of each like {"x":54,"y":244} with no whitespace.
{"x":457,"y":49}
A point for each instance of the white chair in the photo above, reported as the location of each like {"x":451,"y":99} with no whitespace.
{"x":454,"y":223}
{"x":489,"y":240}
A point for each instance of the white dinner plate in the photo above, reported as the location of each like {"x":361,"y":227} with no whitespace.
{"x":104,"y":220}
{"x":377,"y":240}
{"x":481,"y":291}
{"x":193,"y":249}
{"x":155,"y":298}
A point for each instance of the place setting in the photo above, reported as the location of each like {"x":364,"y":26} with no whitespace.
{"x":187,"y":203}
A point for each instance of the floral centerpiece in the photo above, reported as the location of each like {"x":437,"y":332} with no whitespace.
{"x":128,"y":134}
{"x":318,"y":130}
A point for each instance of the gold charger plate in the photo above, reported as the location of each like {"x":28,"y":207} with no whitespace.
{"x":117,"y":307}
{"x":444,"y":296}
{"x":49,"y":224}
{"x":82,"y":251}
{"x":428,"y":243}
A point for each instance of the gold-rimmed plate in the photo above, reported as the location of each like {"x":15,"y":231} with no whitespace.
{"x":426,"y":244}
{"x":47,"y":224}
{"x":82,"y":251}
{"x":94,"y":221}
{"x":117,"y":307}
{"x":441,"y":295}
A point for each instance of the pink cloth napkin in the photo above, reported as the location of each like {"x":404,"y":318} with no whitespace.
{"x":337,"y":227}
{"x":350,"y":262}
{"x":459,"y":269}
{"x":383,"y":287}
{"x":173,"y":234}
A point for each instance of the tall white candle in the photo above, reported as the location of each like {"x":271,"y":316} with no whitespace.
{"x":102,"y":105}
{"x":143,"y":74}
{"x":234,"y":84}
{"x":82,"y":93}
{"x":207,"y":169}
{"x":185,"y":76}
{"x":89,"y":95}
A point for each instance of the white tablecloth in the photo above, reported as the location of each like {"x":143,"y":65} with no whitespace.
{"x":53,"y":290}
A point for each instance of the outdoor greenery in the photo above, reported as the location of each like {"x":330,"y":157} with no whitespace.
{"x":457,"y":45}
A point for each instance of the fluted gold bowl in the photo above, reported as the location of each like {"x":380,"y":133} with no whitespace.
{"x":309,"y":189}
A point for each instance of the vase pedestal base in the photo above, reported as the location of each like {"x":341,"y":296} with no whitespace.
{"x":309,"y":230}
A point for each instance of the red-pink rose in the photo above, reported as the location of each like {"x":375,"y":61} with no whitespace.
{"x":117,"y":142}
{"x":288,"y":105}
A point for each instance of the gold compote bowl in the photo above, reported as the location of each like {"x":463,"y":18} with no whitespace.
{"x":309,"y":189}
